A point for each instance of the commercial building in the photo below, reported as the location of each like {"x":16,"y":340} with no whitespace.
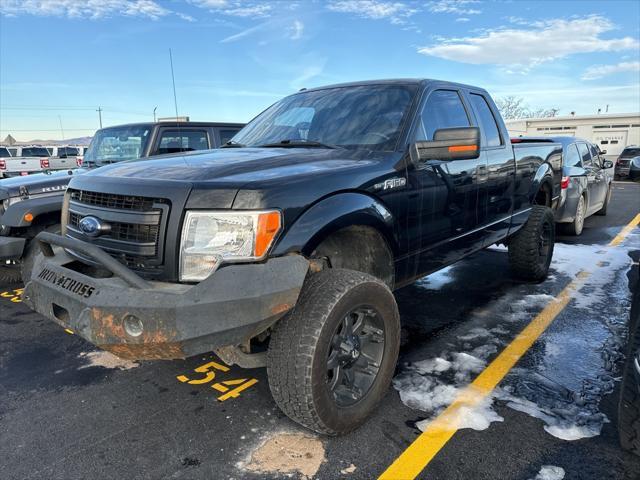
{"x":611,"y":132}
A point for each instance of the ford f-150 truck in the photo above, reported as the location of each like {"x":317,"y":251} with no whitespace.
{"x":32,"y":203}
{"x":296,"y":234}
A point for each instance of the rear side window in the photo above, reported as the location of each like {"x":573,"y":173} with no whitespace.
{"x":227,"y":134}
{"x":443,"y":109}
{"x":572,"y":157}
{"x":487,"y":121}
{"x":35,"y":152}
{"x":584,"y":153}
{"x":174,"y":141}
{"x":4,"y":152}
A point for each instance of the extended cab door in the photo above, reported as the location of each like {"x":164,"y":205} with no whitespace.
{"x":497,"y":170}
{"x":442,"y":196}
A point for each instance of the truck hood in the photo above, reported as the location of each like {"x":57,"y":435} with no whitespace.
{"x":238,"y":166}
{"x":37,"y":184}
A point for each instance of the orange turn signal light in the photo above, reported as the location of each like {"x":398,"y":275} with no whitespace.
{"x":28,"y":217}
{"x":463,"y":148}
{"x":269,"y":225}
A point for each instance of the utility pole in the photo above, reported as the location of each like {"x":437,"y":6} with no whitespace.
{"x":154,"y":114}
{"x":61,"y":129}
{"x":99,"y":110}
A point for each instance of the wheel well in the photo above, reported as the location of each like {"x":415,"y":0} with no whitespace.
{"x":543,"y":197}
{"x":360,"y":248}
{"x":43,"y":221}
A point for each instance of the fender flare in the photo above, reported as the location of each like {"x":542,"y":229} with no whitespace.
{"x":14,"y":216}
{"x":544,"y":176}
{"x":332,"y":214}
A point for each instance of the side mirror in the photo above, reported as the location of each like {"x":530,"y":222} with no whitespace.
{"x":603,"y":152}
{"x":607,"y":164}
{"x":449,"y":144}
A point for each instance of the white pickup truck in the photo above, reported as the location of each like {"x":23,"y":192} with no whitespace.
{"x":64,"y":157}
{"x":24,"y":160}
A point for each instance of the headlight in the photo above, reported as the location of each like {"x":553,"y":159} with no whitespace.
{"x":210,"y":238}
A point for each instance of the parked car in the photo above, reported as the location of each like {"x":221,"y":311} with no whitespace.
{"x":5,"y":156}
{"x":629,"y":406}
{"x":586,"y":184}
{"x":634,"y":168}
{"x":623,"y":163}
{"x":299,"y":231}
{"x":24,"y":160}
{"x":32,"y":204}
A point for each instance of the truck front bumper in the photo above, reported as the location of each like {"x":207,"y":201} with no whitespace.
{"x":136,"y":319}
{"x":11,"y":248}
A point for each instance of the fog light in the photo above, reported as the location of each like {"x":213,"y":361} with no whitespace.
{"x":133,"y":325}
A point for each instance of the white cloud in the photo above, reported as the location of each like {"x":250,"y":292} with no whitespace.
{"x":244,"y":33}
{"x":308,"y":72}
{"x":94,"y":9}
{"x":456,"y":7}
{"x":296,"y":30}
{"x":236,"y":8}
{"x":598,"y":71}
{"x":520,"y":49}
{"x":462,"y":19}
{"x":396,"y":12}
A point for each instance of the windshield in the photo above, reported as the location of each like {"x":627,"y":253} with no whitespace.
{"x":631,"y":152}
{"x":368,"y":116}
{"x":117,"y":144}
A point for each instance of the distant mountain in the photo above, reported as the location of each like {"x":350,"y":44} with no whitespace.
{"x":67,"y":141}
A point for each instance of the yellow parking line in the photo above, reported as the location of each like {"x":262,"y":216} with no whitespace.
{"x":424,"y":448}
{"x":625,"y":231}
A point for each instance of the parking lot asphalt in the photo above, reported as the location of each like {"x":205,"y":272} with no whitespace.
{"x":69,"y":411}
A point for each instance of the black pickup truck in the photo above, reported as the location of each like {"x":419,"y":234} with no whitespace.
{"x":31,"y":204}
{"x":296,"y":234}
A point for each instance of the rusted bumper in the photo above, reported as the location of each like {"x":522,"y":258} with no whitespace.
{"x":157,"y":320}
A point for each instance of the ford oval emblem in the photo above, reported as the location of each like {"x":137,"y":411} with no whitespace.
{"x":92,"y":226}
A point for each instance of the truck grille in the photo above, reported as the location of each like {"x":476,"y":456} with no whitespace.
{"x":136,"y":226}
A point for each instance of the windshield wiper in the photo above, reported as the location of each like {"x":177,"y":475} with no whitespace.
{"x":232,"y":144}
{"x":299,"y":143}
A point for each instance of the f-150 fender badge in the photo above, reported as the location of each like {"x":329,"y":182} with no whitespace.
{"x":391,"y":183}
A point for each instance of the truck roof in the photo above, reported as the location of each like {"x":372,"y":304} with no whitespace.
{"x":178,"y":124}
{"x":394,"y":81}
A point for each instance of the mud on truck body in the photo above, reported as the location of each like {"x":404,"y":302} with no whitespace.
{"x":297,"y":233}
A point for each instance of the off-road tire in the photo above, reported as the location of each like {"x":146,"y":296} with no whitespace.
{"x":607,"y":200}
{"x":629,"y":406}
{"x":525,"y":258}
{"x":299,"y":345}
{"x":30,"y":252}
{"x":10,"y":273}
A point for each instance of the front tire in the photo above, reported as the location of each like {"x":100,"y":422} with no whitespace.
{"x":331,"y":359}
{"x":10,"y":272}
{"x":30,"y":253}
{"x":531,"y":248}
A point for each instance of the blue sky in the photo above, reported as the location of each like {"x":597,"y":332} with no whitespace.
{"x":61,"y":59}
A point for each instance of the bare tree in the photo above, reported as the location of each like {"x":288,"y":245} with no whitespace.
{"x":514,"y":107}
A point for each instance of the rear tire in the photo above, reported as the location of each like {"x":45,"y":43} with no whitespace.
{"x":331,"y":359}
{"x":531,"y":248}
{"x":607,"y":199}
{"x":575,"y":228}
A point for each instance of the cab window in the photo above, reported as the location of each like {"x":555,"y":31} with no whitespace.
{"x":175,"y":141}
{"x":443,"y":109}
{"x":486,"y":120}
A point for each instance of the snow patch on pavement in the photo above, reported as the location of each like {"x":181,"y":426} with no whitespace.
{"x":104,"y":359}
{"x":589,"y":342}
{"x":550,"y":472}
